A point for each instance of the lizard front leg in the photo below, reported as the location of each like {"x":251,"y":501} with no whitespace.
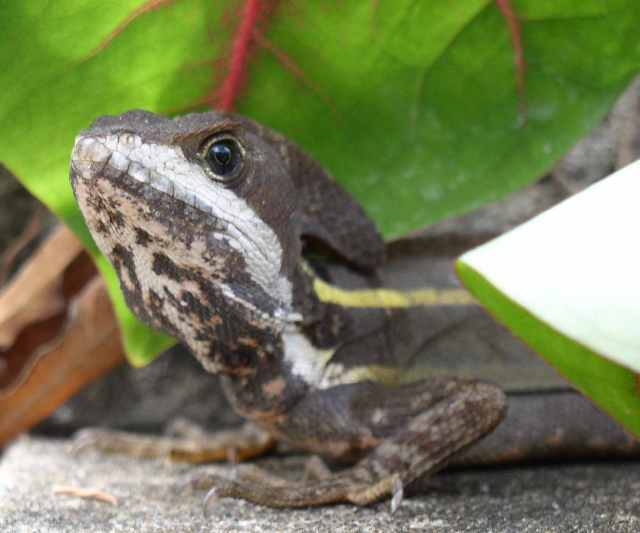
{"x":401,"y":433}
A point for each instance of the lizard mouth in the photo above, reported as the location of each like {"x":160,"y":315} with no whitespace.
{"x":93,"y":156}
{"x":151,"y":165}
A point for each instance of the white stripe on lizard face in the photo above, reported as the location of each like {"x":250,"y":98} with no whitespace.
{"x":165,"y":169}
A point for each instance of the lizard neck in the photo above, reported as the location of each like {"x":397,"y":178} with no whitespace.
{"x":299,"y":353}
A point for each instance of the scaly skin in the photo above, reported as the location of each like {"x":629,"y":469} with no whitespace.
{"x":224,"y":234}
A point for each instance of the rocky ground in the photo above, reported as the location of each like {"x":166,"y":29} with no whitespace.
{"x":151,"y":497}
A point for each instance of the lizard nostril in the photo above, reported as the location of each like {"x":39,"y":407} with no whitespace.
{"x":89,"y":149}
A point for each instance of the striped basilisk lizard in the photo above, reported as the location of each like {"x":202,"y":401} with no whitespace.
{"x":229,"y":237}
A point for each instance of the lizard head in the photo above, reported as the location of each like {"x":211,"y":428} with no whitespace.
{"x":196,"y":215}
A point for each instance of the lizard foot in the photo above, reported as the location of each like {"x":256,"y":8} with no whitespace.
{"x":249,"y":482}
{"x":438,"y":419}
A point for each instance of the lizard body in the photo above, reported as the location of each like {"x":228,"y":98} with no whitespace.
{"x":223,"y":234}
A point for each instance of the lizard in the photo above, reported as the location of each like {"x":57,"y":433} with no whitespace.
{"x":229,"y":237}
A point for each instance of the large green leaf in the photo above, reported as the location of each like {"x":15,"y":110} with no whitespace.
{"x":412,"y":105}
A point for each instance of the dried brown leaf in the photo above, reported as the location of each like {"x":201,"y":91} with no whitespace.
{"x":87,"y":346}
{"x":58,"y":332}
{"x":36,"y":292}
{"x":30,"y":232}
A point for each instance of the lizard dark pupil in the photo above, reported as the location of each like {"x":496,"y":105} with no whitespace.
{"x":223,"y":157}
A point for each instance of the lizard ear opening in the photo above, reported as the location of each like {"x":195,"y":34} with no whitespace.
{"x":331,"y":218}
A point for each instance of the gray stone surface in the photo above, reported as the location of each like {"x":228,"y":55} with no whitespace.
{"x":560,"y":498}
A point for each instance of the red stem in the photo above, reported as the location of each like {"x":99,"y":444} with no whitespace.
{"x":236,"y":73}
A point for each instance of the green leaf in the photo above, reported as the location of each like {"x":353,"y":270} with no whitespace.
{"x":566,"y":282}
{"x":53,"y":86}
{"x":415,"y":107}
{"x":412,"y":105}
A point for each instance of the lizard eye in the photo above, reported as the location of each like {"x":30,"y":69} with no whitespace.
{"x":224,"y":156}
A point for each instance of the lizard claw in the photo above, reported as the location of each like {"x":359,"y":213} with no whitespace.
{"x":398,"y":493}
